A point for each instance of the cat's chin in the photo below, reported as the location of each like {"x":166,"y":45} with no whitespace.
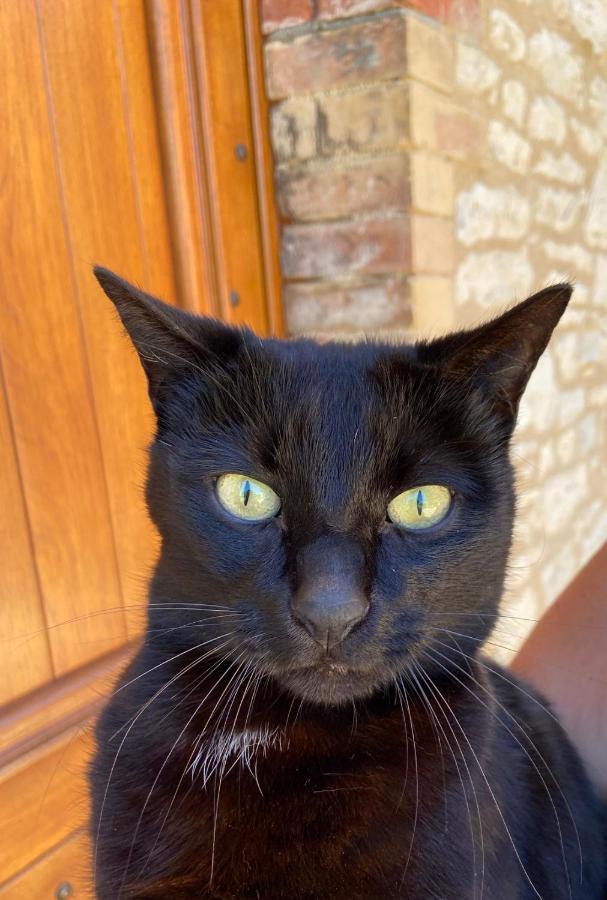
{"x":331,"y":683}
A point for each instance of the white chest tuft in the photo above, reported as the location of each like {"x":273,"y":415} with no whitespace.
{"x":224,"y":751}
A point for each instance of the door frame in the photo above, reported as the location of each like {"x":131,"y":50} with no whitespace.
{"x":207,"y":63}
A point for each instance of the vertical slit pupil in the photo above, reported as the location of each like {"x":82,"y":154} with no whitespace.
{"x":420,"y":502}
{"x":246,"y":492}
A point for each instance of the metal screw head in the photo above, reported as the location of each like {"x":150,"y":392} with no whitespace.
{"x":234,"y":298}
{"x":64,"y":891}
{"x":241,"y":152}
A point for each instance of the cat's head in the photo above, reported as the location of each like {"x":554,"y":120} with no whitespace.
{"x":335,"y":515}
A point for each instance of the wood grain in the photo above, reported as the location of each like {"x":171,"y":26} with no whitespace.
{"x":221,"y":67}
{"x":184,"y":162}
{"x":44,"y":799}
{"x":45,"y":365}
{"x":24,"y":650}
{"x":59,"y":705}
{"x":264,"y":167}
{"x":107,"y":221}
{"x":67,"y":864}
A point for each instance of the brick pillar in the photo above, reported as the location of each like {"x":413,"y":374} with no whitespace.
{"x":364,"y":134}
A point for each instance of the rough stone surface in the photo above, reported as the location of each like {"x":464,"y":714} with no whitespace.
{"x":485,"y":213}
{"x":562,"y":69}
{"x":569,"y":254}
{"x":560,"y":168}
{"x":595,"y":224}
{"x":560,"y":493}
{"x":547,"y":120}
{"x":493,"y":278}
{"x":508,"y":147}
{"x":600,"y":283}
{"x":514,"y":101}
{"x":587,"y":138}
{"x":589,"y":18}
{"x":475,"y":71}
{"x":597,"y":102}
{"x":506,"y":36}
{"x":557,"y":208}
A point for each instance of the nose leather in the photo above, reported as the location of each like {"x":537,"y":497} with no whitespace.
{"x":330,"y":598}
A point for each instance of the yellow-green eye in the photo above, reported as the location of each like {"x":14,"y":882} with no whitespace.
{"x":420,"y":507}
{"x":247,"y":498}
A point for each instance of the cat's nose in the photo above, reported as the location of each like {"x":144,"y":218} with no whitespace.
{"x":330,"y":599}
{"x":327,"y":622}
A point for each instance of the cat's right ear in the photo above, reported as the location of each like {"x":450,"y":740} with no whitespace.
{"x":167,"y":339}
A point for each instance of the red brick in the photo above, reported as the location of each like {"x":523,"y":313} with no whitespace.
{"x":285,"y":13}
{"x":337,"y":190}
{"x":346,"y":248}
{"x":339,"y":9}
{"x":461,"y":13}
{"x":348,"y":307}
{"x":438,"y":9}
{"x":465,"y":14}
{"x":373,"y":118}
{"x":337,"y":57}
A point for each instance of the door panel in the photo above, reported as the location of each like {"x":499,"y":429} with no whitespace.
{"x":25,"y":652}
{"x":105,"y":220}
{"x":45,"y":366}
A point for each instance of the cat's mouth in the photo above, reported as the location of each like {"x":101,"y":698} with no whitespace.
{"x":330,"y":681}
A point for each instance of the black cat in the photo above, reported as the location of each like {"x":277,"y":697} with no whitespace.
{"x":309,"y":716}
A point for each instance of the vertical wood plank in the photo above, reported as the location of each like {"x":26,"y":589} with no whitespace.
{"x":45,"y":367}
{"x":264,"y":165}
{"x":25,"y":660}
{"x":219,"y":37}
{"x":184,"y":164}
{"x":110,"y":173}
{"x":142,"y":124}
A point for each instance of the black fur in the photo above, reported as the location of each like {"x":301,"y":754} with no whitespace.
{"x":400,"y":763}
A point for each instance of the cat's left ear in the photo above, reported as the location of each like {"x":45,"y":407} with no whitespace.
{"x":169,"y":341}
{"x":500,"y":355}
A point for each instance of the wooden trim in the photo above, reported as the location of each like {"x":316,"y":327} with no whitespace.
{"x":171,"y":51}
{"x":44,"y":799}
{"x":58,"y":705}
{"x":208,"y":74}
{"x":264,"y":163}
{"x":67,"y":863}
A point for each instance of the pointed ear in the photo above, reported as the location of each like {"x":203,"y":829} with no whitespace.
{"x":167,"y":339}
{"x":500,"y":356}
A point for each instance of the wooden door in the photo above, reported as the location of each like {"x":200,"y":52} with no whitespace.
{"x":132,"y":135}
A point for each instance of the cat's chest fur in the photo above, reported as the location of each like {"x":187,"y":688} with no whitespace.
{"x":354,"y":809}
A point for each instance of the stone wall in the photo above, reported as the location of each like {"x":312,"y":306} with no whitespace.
{"x":435,"y":161}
